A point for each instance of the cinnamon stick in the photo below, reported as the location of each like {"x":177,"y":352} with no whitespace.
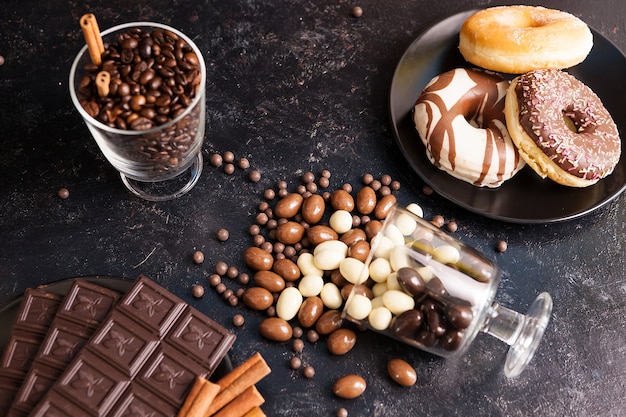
{"x":255,"y":412}
{"x":191,"y":397}
{"x":199,"y":398}
{"x":243,"y":404}
{"x":239,"y":380}
{"x":91,"y":32}
{"x":103,"y":80}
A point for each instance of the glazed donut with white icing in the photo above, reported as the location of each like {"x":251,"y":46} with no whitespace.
{"x":518,"y":39}
{"x":561,"y":128}
{"x":460,"y":118}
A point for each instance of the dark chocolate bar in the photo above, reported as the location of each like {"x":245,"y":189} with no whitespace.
{"x":142,"y":360}
{"x":36,"y":311}
{"x":83,"y":309}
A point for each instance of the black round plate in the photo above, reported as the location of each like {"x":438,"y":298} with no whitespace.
{"x":526,"y":198}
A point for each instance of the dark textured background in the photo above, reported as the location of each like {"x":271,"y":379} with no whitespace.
{"x":297,"y":85}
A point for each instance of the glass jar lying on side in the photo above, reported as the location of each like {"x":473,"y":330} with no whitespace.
{"x":435,"y":293}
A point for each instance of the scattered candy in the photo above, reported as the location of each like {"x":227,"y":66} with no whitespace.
{"x":198,"y":257}
{"x":197,"y":291}
{"x":222,"y":235}
{"x":357,"y":11}
{"x":63,"y":193}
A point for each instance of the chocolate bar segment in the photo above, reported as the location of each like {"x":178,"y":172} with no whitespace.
{"x":35,"y":313}
{"x":138,"y":401}
{"x":84,"y":307}
{"x":142,"y":360}
{"x":152,"y":306}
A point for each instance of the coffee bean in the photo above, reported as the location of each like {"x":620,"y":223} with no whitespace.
{"x":142,"y":123}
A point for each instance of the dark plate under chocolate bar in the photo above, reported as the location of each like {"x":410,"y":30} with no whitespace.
{"x":158,"y":322}
{"x":142,"y":359}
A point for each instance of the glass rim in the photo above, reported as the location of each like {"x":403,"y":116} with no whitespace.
{"x":122,"y":132}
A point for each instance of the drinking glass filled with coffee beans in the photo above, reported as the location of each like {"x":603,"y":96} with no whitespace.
{"x":435,"y":293}
{"x":143,"y":101}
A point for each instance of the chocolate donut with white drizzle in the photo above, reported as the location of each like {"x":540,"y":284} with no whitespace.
{"x":460,"y":118}
{"x":561,"y":128}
